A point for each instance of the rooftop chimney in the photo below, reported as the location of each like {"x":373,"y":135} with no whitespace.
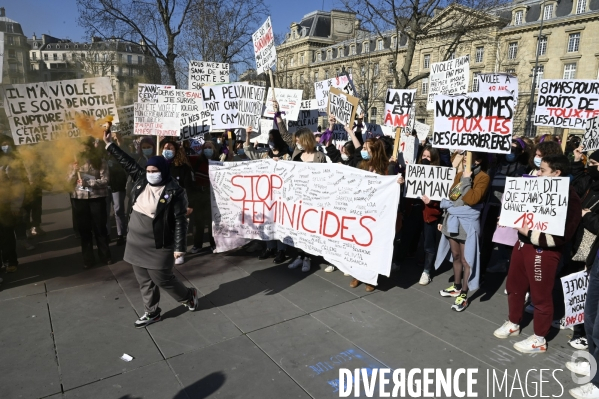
{"x":2,"y":12}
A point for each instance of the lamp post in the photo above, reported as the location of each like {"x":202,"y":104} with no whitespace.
{"x":528,"y":132}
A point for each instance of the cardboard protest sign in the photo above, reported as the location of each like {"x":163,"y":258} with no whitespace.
{"x":266,"y":125}
{"x":477,"y":122}
{"x":47,"y":111}
{"x":308,"y":119}
{"x":567,"y":103}
{"x":321,"y":89}
{"x":126,"y":120}
{"x":289,"y":103}
{"x":408,"y":147}
{"x":448,"y":77}
{"x":289,"y":201}
{"x":429,"y":180}
{"x":206,"y":73}
{"x":540,"y":203}
{"x":264,"y":47}
{"x":342,"y":106}
{"x":234,"y":105}
{"x":498,"y":83}
{"x":195,"y":124}
{"x":399,"y":106}
{"x":156,"y":119}
{"x":575,"y":287}
{"x":148,"y":93}
{"x":590,"y":140}
{"x":422,"y":131}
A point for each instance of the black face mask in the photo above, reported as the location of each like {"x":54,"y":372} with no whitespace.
{"x":425,"y":161}
{"x":593,"y":172}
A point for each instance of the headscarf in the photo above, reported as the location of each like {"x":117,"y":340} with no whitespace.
{"x":163,"y":167}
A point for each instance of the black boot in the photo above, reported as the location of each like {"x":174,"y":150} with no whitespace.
{"x":280,"y":258}
{"x":267,"y":253}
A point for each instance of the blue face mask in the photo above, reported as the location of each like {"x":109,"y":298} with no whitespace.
{"x":537,"y":162}
{"x":147,"y":151}
{"x":240,"y":152}
{"x":510,"y":157}
{"x":208,"y":152}
{"x":5,"y":149}
{"x":365,"y":154}
{"x":168,"y":154}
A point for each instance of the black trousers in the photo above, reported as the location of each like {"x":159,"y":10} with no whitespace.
{"x":32,"y":208}
{"x":8,"y":241}
{"x":90,"y":215}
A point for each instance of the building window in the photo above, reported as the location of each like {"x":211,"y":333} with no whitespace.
{"x":548,"y":11}
{"x":67,"y":46}
{"x":112,"y":69}
{"x":570,"y":71}
{"x":12,"y":54}
{"x":390,"y":66}
{"x":64,"y":56}
{"x":427,"y":61}
{"x":451,"y":55}
{"x":302,"y":78}
{"x":34,"y":44}
{"x":292,"y":62}
{"x":349,"y":70}
{"x":362,"y":70}
{"x":10,"y":40}
{"x":511,"y":71}
{"x":518,"y":17}
{"x":45,"y":57}
{"x":318,"y":56}
{"x":58,"y":46}
{"x":82,"y":56}
{"x":329,"y":54}
{"x":573,"y":42}
{"x":366,"y":47}
{"x":389,"y":84}
{"x":302,"y":59}
{"x":96,"y":57}
{"x":393,"y":42}
{"x":542,"y":46}
{"x":381,"y":45}
{"x":424,"y":88}
{"x":12,"y":67}
{"x":326,"y":74}
{"x":375,"y":88}
{"x":33,"y":56}
{"x":512,"y":51}
{"x":340,"y":52}
{"x":128,"y":48}
{"x":376,"y":69}
{"x":540,"y":72}
{"x":353,"y":50}
{"x":581,"y":6}
{"x":55,"y":57}
{"x":121,"y":58}
{"x":140,"y":60}
{"x":475,"y":83}
{"x":480,"y":52}
{"x":129,"y":59}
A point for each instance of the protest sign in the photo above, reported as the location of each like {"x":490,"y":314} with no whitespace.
{"x":307,"y":105}
{"x":477,"y":122}
{"x":399,"y":105}
{"x":448,"y":77}
{"x":408,"y":147}
{"x":148,"y":93}
{"x":264,"y":47}
{"x":371,"y":130}
{"x":567,"y":103}
{"x":266,"y":125}
{"x":429,"y":180}
{"x":342,"y":106}
{"x":539,"y":203}
{"x":46,"y":111}
{"x":422,"y":131}
{"x":308,"y":119}
{"x":196,"y":144}
{"x":575,"y":287}
{"x":206,"y":73}
{"x":498,"y":83}
{"x":195,"y":124}
{"x":289,"y":103}
{"x":234,"y":105}
{"x":126,"y":120}
{"x":590,"y":140}
{"x":156,"y":119}
{"x":307,"y":206}
{"x":321,"y":89}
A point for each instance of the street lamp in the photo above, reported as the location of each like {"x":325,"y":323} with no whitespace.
{"x":528,"y":132}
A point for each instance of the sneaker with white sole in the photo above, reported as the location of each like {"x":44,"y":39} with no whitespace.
{"x":580,"y":368}
{"x":586,"y":391}
{"x":346,"y":274}
{"x":451,"y":291}
{"x":180,"y":260}
{"x":561,"y":324}
{"x":508,"y":329}
{"x":329,"y":269}
{"x":532,"y":344}
{"x":296,"y":263}
{"x":193,"y":302}
{"x":461,"y":303}
{"x":579,"y":343}
{"x":306,"y":265}
{"x":148,"y":319}
{"x":195,"y":250}
{"x":425,"y":279}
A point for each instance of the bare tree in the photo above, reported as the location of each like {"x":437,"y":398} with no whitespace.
{"x":157,"y":23}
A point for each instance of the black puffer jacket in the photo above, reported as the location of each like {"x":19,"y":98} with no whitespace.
{"x":170,"y":222}
{"x":590,"y":221}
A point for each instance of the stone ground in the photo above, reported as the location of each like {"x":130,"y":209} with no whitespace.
{"x":262,"y":331}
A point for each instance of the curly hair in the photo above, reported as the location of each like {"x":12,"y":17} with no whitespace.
{"x":379,"y":161}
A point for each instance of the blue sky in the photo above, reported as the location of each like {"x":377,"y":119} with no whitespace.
{"x":59,"y":17}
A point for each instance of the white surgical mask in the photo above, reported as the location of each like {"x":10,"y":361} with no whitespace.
{"x":537,"y":162}
{"x":5,"y":149}
{"x":345,"y":157}
{"x":365,"y":154}
{"x":168,"y":154}
{"x":154,"y":177}
{"x":299,"y":147}
{"x":219,"y":141}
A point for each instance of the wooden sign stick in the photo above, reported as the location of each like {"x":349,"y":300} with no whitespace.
{"x":272,"y":84}
{"x":396,"y":144}
{"x":564,"y":138}
{"x":468,"y":161}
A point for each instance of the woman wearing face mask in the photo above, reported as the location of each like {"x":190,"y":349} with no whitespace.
{"x":202,"y":215}
{"x":147,"y":149}
{"x":543,"y":149}
{"x":278,"y":149}
{"x":461,"y":229}
{"x":347,"y":152}
{"x":157,"y":232}
{"x":326,"y":143}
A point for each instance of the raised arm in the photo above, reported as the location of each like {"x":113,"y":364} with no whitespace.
{"x":287,"y":137}
{"x":128,"y":163}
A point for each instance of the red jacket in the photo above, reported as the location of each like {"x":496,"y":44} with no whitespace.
{"x":432,"y":211}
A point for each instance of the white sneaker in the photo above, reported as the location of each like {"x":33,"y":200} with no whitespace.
{"x":329,"y":269}
{"x":425,"y":279}
{"x":505,"y":291}
{"x":579,"y":343}
{"x":195,"y":250}
{"x":180,"y":260}
{"x":580,"y":368}
{"x":532,"y":344}
{"x":586,"y":391}
{"x":306,"y":266}
{"x":527,"y":297}
{"x":346,"y":274}
{"x":561,"y":324}
{"x":508,"y":329}
{"x":296,"y":263}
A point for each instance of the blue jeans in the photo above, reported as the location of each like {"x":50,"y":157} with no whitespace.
{"x":591,"y":321}
{"x":276,"y":244}
{"x":430,"y":232}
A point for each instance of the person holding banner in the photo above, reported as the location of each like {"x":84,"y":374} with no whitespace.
{"x":461,"y":229}
{"x":278,"y":149}
{"x":533,"y":267}
{"x":157,"y":232}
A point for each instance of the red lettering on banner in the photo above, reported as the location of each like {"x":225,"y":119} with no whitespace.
{"x":264,"y":41}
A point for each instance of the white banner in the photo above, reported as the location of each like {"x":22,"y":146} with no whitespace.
{"x":195,"y":124}
{"x":540,"y":203}
{"x":308,"y":118}
{"x":47,"y":111}
{"x":126,"y":121}
{"x":399,"y":107}
{"x":575,"y":287}
{"x":408,"y":147}
{"x":266,"y":125}
{"x":322,"y":88}
{"x":432,"y":181}
{"x":590,"y":141}
{"x":234,"y":105}
{"x":148,"y":92}
{"x":290,"y":201}
{"x":289,"y":102}
{"x":498,"y":83}
{"x":448,"y":77}
{"x":476,"y":122}
{"x":264,"y":47}
{"x":567,"y":103}
{"x":307,"y":105}
{"x":206,"y":73}
{"x":422,"y":131}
